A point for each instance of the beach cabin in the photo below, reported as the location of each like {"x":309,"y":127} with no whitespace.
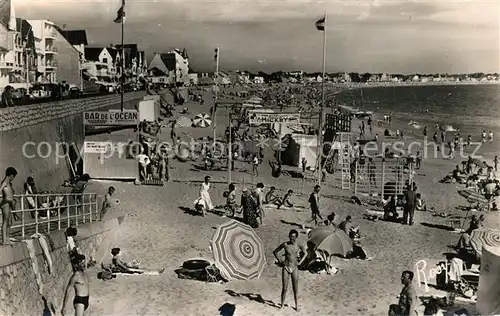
{"x":149,"y":108}
{"x":301,"y":146}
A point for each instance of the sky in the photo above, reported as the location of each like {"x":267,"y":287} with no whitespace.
{"x":412,"y":36}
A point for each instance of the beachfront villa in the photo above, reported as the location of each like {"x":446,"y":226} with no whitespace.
{"x":170,"y":68}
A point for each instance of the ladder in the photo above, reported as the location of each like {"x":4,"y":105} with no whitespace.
{"x":345,"y":160}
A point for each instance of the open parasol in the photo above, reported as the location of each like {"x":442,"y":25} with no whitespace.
{"x":484,"y":236}
{"x":202,"y":120}
{"x":332,"y":242}
{"x":238,"y":251}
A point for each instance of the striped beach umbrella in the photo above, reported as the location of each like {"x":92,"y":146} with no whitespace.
{"x":484,"y":236}
{"x":202,"y":120}
{"x":472,"y":196}
{"x":238,"y":251}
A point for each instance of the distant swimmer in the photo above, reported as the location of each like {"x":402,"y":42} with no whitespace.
{"x":490,"y":138}
{"x":483,"y":136}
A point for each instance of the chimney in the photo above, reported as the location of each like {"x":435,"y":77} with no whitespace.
{"x":64,"y":26}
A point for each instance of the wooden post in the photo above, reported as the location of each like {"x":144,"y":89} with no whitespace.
{"x":229,"y":151}
{"x":356,"y":178}
{"x":383,"y":179}
{"x":22,"y":217}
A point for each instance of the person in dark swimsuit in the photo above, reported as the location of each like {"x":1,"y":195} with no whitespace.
{"x":80,"y":282}
{"x":290,"y":265}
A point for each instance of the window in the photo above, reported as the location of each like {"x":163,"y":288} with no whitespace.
{"x":105,"y":60}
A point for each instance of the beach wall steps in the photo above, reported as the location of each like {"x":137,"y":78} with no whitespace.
{"x":19,"y":292}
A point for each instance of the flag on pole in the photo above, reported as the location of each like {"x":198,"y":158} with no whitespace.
{"x":320,"y":24}
{"x":216,"y":53}
{"x":120,"y":14}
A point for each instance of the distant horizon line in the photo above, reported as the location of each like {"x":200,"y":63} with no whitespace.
{"x":361,"y":73}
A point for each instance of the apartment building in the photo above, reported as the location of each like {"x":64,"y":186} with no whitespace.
{"x":68,"y":59}
{"x":45,"y":35}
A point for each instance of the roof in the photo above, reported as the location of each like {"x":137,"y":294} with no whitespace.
{"x":26,"y":30}
{"x":74,"y":37}
{"x":92,"y":53}
{"x":169,"y":60}
{"x":5,"y":11}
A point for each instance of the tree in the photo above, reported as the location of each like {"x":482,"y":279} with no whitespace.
{"x":354,"y":77}
{"x":365,"y":77}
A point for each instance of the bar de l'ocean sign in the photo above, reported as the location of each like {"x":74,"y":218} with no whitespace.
{"x":111,"y":117}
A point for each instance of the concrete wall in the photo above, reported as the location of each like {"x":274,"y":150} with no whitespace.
{"x":19,"y":293}
{"x":45,"y":125}
{"x":68,"y":61}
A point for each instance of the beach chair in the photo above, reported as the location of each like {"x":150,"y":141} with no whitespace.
{"x":154,"y":182}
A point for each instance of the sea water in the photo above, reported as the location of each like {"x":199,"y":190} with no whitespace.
{"x":468,"y":108}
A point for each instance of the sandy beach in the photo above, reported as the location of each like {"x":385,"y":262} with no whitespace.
{"x":160,"y":233}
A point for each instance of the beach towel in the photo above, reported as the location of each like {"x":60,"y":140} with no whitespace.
{"x":34,"y":264}
{"x":42,"y":240}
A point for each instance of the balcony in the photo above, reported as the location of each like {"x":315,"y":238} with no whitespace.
{"x":6,"y":65}
{"x":49,"y":34}
{"x":50,"y":65}
{"x":50,"y":50}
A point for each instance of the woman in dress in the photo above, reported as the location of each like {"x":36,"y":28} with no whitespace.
{"x":250,"y":209}
{"x":205,"y":196}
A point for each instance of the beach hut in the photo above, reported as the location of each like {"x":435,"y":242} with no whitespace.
{"x":301,"y":146}
{"x":149,"y":110}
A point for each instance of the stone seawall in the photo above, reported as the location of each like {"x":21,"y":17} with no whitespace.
{"x":39,"y":128}
{"x":19,"y":293}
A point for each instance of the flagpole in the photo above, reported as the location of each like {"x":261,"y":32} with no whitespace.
{"x":123,"y":58}
{"x":320,"y":130}
{"x":216,"y":94}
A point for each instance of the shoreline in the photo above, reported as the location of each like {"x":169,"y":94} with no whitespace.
{"x":358,"y":85}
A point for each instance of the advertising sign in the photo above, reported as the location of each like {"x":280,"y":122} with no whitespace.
{"x":111,"y":117}
{"x":97,"y":147}
{"x":271,"y":118}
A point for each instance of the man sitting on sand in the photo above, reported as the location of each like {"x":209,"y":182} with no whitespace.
{"x":271,"y":197}
{"x":348,"y":227}
{"x":464,"y":241}
{"x":286,"y":200}
{"x":390,"y":212}
{"x":420,"y":204}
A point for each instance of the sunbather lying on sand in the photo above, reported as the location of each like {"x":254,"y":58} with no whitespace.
{"x":118,"y":266}
{"x":456,"y":176}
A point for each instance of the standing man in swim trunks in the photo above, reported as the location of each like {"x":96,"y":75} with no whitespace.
{"x":80,"y":282}
{"x":290,"y":265}
{"x":8,"y":204}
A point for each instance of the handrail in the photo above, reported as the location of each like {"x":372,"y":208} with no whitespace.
{"x":53,"y":211}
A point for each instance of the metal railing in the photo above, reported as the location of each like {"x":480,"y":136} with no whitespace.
{"x":51,"y":49}
{"x":43,"y":213}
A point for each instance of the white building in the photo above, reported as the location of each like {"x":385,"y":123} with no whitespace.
{"x":258,"y":80}
{"x":45,"y":34}
{"x":173,"y":65}
{"x":193,"y":78}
